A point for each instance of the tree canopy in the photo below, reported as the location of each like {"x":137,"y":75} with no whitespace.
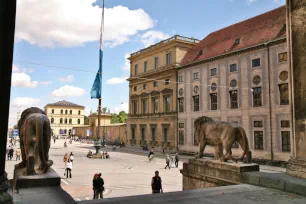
{"x":119,"y":118}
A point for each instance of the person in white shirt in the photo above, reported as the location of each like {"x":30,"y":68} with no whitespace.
{"x":71,"y":157}
{"x":68,"y":168}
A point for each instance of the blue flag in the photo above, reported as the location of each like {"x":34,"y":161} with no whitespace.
{"x":96,"y":90}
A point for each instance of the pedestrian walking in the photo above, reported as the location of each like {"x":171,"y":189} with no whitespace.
{"x":18,"y":154}
{"x":66,"y":158}
{"x":54,"y":139}
{"x":93,"y":185}
{"x":99,"y":187}
{"x":176,"y":160}
{"x":71,"y":157}
{"x":8,"y":153}
{"x":68,"y":168}
{"x":167,"y":162}
{"x":156,"y":183}
{"x":11,"y":153}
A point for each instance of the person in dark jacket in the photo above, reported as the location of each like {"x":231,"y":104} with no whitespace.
{"x":99,"y":187}
{"x":176,"y":160}
{"x":156,"y":183}
{"x":93,"y":184}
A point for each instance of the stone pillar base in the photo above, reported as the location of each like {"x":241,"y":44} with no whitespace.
{"x":204,"y":173}
{"x":296,"y":167}
{"x":5,"y":198}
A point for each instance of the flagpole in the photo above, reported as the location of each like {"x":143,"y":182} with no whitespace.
{"x":99,"y":116}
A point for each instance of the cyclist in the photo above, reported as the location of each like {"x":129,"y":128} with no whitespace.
{"x":151,"y":155}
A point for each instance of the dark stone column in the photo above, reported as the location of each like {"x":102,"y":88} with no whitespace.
{"x":7,"y":33}
{"x":296,"y":37}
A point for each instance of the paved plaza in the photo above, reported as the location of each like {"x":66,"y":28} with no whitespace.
{"x":124,"y":174}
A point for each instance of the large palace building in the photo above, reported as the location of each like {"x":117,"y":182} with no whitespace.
{"x":240,"y":74}
{"x":63,"y":116}
{"x":152,"y":92}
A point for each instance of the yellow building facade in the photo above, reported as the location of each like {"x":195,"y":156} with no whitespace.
{"x":63,"y":116}
{"x":152,"y":92}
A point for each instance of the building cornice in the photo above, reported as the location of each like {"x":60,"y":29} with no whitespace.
{"x":237,"y":52}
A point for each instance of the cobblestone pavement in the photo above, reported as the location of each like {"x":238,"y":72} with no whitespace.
{"x":126,"y":173}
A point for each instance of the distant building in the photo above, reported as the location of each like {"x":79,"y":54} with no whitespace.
{"x":63,"y":116}
{"x":240,"y":74}
{"x":152,"y":117}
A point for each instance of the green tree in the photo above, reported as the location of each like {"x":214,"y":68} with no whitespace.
{"x":115,"y":118}
{"x":123,"y":117}
{"x":86,"y":120}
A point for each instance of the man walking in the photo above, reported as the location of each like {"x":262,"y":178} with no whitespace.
{"x":176,"y":160}
{"x":156,"y":183}
{"x":18,"y":154}
{"x":99,"y":186}
{"x":68,"y":168}
{"x":167,"y":162}
{"x":11,"y":153}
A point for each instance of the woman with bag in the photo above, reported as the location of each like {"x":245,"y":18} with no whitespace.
{"x":68,"y":168}
{"x":99,"y":187}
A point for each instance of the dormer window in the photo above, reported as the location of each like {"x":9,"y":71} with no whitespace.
{"x":237,"y":41}
{"x":200,"y":52}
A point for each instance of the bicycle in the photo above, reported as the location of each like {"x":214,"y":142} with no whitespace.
{"x":152,"y":159}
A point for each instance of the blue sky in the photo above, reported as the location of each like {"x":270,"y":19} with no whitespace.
{"x":65,"y":33}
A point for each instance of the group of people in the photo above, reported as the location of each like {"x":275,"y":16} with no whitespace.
{"x":68,"y":164}
{"x":172,"y":161}
{"x":10,"y":152}
{"x":98,"y":186}
{"x":105,"y":154}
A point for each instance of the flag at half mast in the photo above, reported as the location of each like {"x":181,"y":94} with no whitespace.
{"x":96,"y":89}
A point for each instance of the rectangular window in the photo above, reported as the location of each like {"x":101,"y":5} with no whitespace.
{"x":133,"y":133}
{"x":156,"y":63}
{"x":181,"y":137}
{"x":145,"y":86}
{"x":167,"y":104}
{"x":258,"y":135}
{"x":134,"y":107}
{"x":233,"y":67}
{"x":155,"y":105}
{"x":196,"y":103}
{"x":181,"y":125}
{"x":165,"y":134}
{"x":234,"y":99}
{"x":284,"y":94}
{"x":196,"y":76}
{"x":257,"y":97}
{"x":144,"y":106}
{"x":167,"y":81}
{"x":136,"y":69}
{"x":285,"y":141}
{"x":155,"y":83}
{"x":285,"y":124}
{"x":181,"y":105}
{"x":168,"y":58}
{"x":142,"y":134}
{"x":256,"y":62}
{"x":145,"y":66}
{"x":213,"y":72}
{"x":258,"y":124}
{"x":135,"y":88}
{"x":181,"y":78}
{"x":153,"y":134}
{"x":213,"y":101}
{"x":282,"y":57}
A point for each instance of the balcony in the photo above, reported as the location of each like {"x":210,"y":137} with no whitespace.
{"x":148,"y":115}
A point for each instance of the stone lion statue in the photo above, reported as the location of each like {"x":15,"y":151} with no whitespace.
{"x":35,"y":137}
{"x":221,"y":135}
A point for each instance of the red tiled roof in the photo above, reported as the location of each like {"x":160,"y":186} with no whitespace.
{"x":259,"y":29}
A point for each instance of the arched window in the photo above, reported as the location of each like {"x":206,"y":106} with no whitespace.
{"x":79,"y":112}
{"x":65,"y":120}
{"x":61,"y":121}
{"x":79,"y":121}
{"x":66,"y":111}
{"x":70,"y":121}
{"x":52,"y":120}
{"x":52,"y":110}
{"x":70,"y":112}
{"x":62,"y":111}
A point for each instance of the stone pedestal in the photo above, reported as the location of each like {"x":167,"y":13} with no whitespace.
{"x":296,"y":32}
{"x":50,"y":179}
{"x":205,"y":173}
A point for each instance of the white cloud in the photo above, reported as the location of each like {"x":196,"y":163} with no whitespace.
{"x":46,"y":83}
{"x":124,"y":106}
{"x":116,"y":80}
{"x":69,"y":78}
{"x":68,"y":91}
{"x":126,"y":65}
{"x":70,"y":23}
{"x":18,"y":105}
{"x":23,"y":80}
{"x":153,"y":36}
{"x":251,"y":1}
